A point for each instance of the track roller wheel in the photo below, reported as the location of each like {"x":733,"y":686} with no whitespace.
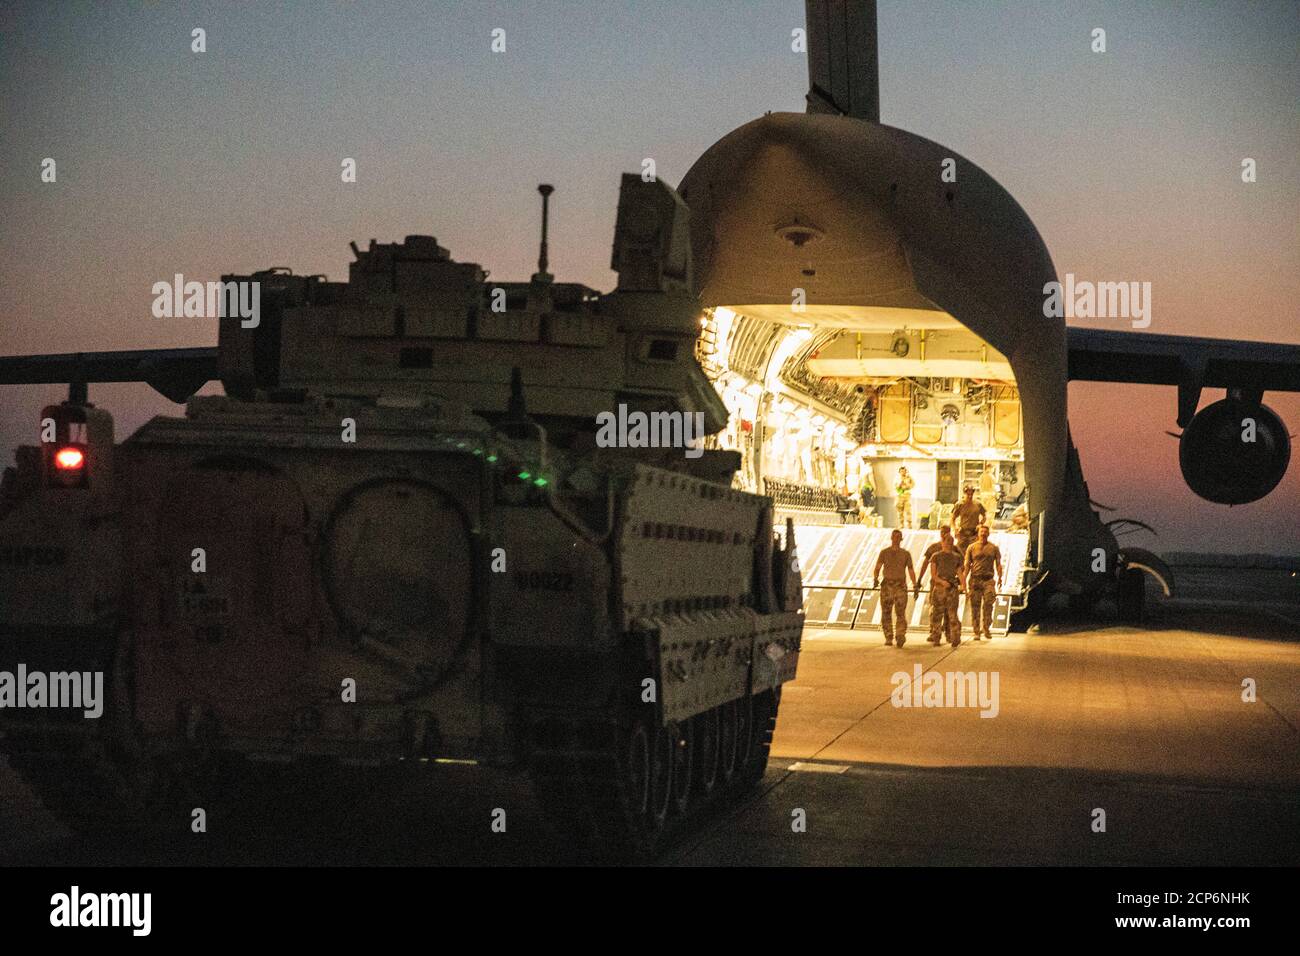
{"x":744,"y":732}
{"x":661,"y":778}
{"x":683,"y":761}
{"x":708,"y":745}
{"x":635,"y":770}
{"x":764,"y":723}
{"x":728,"y":744}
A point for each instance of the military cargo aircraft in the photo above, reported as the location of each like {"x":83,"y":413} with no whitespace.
{"x":863,"y":282}
{"x":877,"y":277}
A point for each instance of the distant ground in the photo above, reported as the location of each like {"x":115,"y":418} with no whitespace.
{"x":1266,"y":584}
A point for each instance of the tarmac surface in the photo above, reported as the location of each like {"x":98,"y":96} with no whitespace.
{"x":1148,"y":725}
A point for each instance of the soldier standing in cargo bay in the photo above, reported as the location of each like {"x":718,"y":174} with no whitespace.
{"x":982,"y":558}
{"x":903,"y":489}
{"x":945,"y":587}
{"x":897,"y":564}
{"x":967,"y":517}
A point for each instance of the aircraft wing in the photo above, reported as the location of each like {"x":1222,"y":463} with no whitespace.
{"x":175,"y":373}
{"x":1251,"y":368}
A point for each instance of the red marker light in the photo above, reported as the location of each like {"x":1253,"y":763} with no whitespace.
{"x":69,"y":459}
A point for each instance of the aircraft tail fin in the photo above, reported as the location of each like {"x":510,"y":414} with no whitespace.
{"x":843,"y":68}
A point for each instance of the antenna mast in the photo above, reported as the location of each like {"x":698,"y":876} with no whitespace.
{"x":542,"y":275}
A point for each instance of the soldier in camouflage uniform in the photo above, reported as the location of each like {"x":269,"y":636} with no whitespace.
{"x":946,"y":586}
{"x":967,"y":517}
{"x":982,"y":558}
{"x":945,"y":531}
{"x":903,"y":489}
{"x":897,"y":564}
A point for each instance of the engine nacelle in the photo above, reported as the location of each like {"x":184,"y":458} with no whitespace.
{"x":1234,"y":452}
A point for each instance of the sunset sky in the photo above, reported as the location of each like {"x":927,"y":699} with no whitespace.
{"x":229,"y":161}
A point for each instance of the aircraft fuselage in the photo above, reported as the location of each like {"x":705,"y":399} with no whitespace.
{"x":855,"y":213}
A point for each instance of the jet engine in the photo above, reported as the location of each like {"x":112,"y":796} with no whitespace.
{"x":1234,"y":452}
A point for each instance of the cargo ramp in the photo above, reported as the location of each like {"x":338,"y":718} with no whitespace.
{"x":836,"y":563}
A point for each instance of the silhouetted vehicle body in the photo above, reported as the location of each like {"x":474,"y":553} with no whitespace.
{"x":398,"y":538}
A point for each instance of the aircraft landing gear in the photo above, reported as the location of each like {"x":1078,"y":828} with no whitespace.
{"x":1130,"y":595}
{"x":1036,"y":601}
{"x":1083,"y":605}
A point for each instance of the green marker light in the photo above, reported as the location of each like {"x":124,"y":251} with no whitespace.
{"x":524,"y":476}
{"x":540,"y":482}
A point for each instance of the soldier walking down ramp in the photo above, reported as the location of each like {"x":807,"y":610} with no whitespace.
{"x":982,"y":558}
{"x":903,"y":489}
{"x":945,"y":533}
{"x":897,"y":564}
{"x":945,"y":587}
{"x":966,"y":518}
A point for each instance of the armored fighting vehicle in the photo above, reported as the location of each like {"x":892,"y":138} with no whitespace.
{"x":399,"y":537}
